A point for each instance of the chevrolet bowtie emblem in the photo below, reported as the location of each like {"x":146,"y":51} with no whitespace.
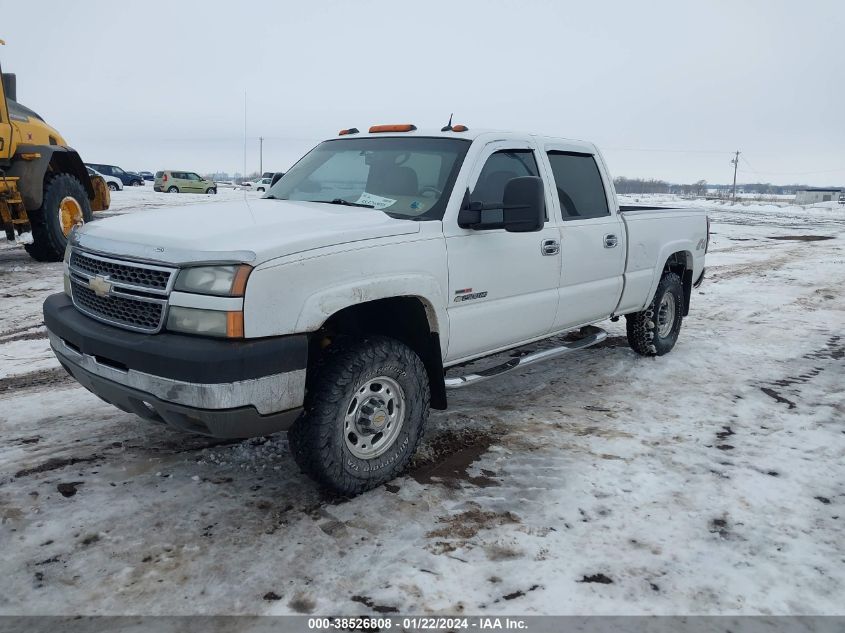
{"x":100,"y":286}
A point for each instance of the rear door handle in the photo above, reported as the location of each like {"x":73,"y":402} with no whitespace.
{"x":610,"y":240}
{"x":550,"y":247}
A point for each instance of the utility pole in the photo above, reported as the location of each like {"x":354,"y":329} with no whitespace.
{"x":735,"y":162}
{"x":261,"y":155}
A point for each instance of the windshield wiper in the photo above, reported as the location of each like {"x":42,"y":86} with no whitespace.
{"x":345,"y":203}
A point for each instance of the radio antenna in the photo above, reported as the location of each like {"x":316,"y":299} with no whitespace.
{"x":448,"y":126}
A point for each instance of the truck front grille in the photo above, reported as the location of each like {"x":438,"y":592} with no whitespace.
{"x":153,"y":278}
{"x":135,"y":314}
{"x":130,"y":295}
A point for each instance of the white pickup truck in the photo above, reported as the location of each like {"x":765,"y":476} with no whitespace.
{"x":334,"y":305}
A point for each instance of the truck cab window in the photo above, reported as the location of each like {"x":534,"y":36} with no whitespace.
{"x":579,"y":186}
{"x":501,"y":167}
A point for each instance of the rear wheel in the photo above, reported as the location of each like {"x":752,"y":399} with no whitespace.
{"x":654,"y":331}
{"x":367,"y":404}
{"x":65,"y":205}
{"x":173,"y":190}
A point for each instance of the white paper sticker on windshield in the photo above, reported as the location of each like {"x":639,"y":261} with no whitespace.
{"x":375,"y":201}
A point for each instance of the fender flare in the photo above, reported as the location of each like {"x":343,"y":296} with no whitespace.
{"x":678,"y":246}
{"x":32,"y":173}
{"x":321,"y":305}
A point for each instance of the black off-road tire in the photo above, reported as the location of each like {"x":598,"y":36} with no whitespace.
{"x":643,"y":327}
{"x":48,"y":241}
{"x":317,"y":438}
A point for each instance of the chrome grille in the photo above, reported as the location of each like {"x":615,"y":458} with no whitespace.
{"x":154,"y":278}
{"x":134,"y":314}
{"x":130,"y":295}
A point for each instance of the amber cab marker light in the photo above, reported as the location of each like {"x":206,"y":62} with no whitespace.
{"x":239,"y":281}
{"x":235,"y":324}
{"x":351,"y":130}
{"x":459,"y":128}
{"x":405,"y":127}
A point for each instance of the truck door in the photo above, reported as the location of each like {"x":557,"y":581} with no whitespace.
{"x":503,"y":287}
{"x":592,"y":240}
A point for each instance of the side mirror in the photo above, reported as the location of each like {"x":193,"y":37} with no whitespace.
{"x":523,"y":208}
{"x":524,"y":205}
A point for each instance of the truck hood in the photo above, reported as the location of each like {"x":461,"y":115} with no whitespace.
{"x":252,"y":231}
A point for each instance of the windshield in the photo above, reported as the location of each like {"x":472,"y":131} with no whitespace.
{"x":405,"y":177}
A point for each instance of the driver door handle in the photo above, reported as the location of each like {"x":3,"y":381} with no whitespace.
{"x":550,"y":247}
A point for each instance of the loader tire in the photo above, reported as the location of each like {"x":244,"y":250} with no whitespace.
{"x":65,"y":204}
{"x":654,"y":331}
{"x":366,"y":406}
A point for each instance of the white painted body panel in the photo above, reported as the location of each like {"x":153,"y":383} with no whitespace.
{"x":312,"y":260}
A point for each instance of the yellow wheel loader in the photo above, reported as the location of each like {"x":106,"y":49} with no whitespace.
{"x":44,"y":186}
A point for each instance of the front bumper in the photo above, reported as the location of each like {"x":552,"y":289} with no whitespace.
{"x":213,"y":387}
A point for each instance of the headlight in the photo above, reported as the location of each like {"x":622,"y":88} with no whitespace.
{"x":205,"y":322}
{"x":65,"y":264}
{"x":225,"y":281}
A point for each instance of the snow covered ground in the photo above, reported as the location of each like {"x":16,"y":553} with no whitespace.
{"x":711,"y":480}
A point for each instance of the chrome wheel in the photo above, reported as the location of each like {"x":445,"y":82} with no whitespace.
{"x":374,"y":417}
{"x":666,"y":315}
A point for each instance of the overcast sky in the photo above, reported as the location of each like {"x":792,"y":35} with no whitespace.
{"x":666,"y":89}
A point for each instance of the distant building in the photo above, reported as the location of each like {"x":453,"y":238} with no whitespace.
{"x":811,"y":195}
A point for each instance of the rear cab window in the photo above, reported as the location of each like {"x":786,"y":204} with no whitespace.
{"x":580,"y":189}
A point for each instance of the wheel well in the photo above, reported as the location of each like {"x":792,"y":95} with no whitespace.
{"x":680,"y":263}
{"x":402,"y":318}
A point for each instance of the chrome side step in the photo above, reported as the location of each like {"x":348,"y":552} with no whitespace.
{"x":596,"y":335}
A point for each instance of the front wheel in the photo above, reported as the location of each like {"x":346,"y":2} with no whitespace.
{"x":367,"y":405}
{"x":136,"y":183}
{"x":211,"y":190}
{"x":112,"y":186}
{"x":654,"y":331}
{"x":173,"y":190}
{"x":261,"y":189}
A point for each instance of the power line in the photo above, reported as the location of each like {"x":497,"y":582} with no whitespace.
{"x":793,"y":173}
{"x":668,"y":151}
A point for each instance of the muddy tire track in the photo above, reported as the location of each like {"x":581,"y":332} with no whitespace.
{"x":36,"y":380}
{"x":820,"y":359}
